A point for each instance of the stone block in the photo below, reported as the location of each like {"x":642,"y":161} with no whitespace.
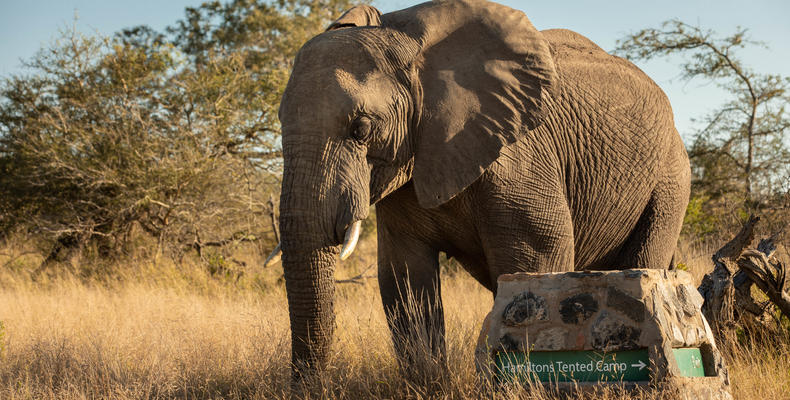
{"x":577,"y":329}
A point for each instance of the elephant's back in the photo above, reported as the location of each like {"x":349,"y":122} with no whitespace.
{"x":585,"y":66}
{"x":562,"y":39}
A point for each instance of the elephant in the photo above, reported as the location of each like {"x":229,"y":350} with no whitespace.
{"x":474,"y":134}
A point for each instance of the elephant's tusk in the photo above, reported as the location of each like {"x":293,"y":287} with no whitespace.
{"x":274,"y":257}
{"x":350,"y":242}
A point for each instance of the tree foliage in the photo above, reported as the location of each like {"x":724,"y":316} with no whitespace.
{"x":174,"y":132}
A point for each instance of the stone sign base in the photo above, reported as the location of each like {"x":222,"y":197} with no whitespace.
{"x":580,"y":329}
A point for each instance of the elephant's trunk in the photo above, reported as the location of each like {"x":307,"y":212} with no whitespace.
{"x":322,"y":197}
{"x":309,"y":281}
{"x":309,"y":254}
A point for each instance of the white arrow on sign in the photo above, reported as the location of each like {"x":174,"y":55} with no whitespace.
{"x":640,"y":365}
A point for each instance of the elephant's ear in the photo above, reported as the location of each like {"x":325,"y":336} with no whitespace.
{"x":357,"y":16}
{"x":485,"y":73}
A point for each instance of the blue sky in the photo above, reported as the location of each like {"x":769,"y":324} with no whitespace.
{"x":27,"y":24}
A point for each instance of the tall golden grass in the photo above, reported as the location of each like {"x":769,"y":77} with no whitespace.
{"x":156,"y":329}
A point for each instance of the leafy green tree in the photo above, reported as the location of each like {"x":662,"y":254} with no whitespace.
{"x":742,"y":149}
{"x":105,"y":136}
{"x":264,"y":37}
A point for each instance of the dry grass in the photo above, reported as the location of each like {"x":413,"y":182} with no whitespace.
{"x":164,"y":330}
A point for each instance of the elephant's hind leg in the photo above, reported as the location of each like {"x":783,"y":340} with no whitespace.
{"x":652,"y":242}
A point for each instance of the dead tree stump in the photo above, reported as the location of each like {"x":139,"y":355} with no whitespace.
{"x":727,"y":290}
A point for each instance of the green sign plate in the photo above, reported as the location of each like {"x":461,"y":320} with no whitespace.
{"x":689,"y":361}
{"x":579,"y":366}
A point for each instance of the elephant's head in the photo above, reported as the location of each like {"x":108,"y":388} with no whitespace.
{"x":429,"y":94}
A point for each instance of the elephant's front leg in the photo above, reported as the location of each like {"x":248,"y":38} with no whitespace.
{"x":411,"y":294}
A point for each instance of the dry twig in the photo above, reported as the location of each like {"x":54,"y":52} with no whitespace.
{"x":358,"y":279}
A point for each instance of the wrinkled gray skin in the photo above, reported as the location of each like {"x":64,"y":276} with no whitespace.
{"x":476,"y":135}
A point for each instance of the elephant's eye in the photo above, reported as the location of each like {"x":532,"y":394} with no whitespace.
{"x":361,"y":128}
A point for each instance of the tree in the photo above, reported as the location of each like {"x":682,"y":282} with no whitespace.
{"x":741,"y":150}
{"x":264,"y":37}
{"x":174,"y":132}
